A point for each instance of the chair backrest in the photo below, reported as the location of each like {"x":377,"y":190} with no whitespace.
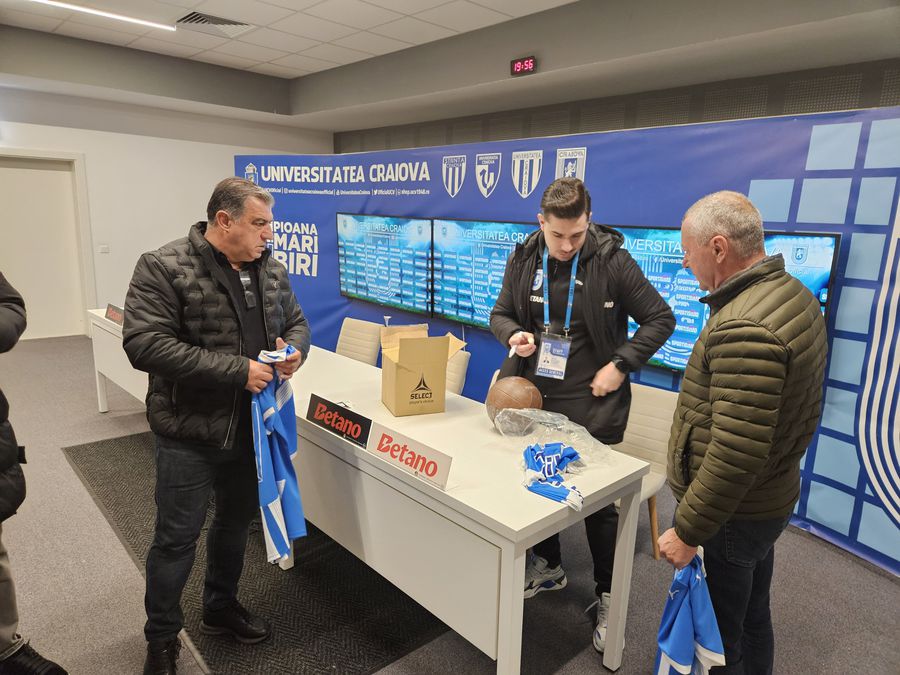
{"x":360,"y":340}
{"x":649,"y":423}
{"x":456,"y":371}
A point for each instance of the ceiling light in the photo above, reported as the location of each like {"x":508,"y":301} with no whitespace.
{"x":108,"y":15}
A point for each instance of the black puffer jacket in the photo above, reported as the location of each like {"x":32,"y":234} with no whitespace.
{"x":12,"y":480}
{"x":182,"y":328}
{"x":614,"y":289}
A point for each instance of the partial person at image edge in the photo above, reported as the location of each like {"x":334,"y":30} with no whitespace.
{"x":16,"y":655}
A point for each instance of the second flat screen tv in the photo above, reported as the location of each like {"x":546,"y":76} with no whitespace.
{"x":385,"y":260}
{"x":469,"y":261}
{"x":810,"y":257}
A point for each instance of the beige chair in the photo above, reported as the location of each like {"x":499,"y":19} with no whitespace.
{"x":456,"y":371}
{"x":647,"y":438}
{"x":360,"y":340}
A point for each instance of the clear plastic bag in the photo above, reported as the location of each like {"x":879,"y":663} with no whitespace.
{"x":526,"y":426}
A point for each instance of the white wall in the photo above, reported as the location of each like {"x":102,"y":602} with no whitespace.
{"x":142,"y":191}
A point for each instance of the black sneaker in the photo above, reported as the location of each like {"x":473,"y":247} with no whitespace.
{"x":26,"y":661}
{"x":237,"y":622}
{"x":162,"y":655}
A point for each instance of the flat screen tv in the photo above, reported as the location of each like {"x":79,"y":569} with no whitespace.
{"x":469,"y":261}
{"x":385,"y":260}
{"x":809,"y":256}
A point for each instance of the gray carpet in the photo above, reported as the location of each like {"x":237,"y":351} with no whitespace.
{"x":330,"y":612}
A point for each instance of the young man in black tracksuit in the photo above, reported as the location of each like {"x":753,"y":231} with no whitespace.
{"x":591,"y":386}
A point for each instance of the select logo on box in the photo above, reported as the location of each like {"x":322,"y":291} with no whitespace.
{"x":339,"y":420}
{"x":410,"y":455}
{"x":421,"y":393}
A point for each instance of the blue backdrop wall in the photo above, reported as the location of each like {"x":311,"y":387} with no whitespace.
{"x":824,"y":173}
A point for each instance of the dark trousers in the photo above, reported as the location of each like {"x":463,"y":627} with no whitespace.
{"x":185,"y":476}
{"x":601,"y":535}
{"x":739,"y":560}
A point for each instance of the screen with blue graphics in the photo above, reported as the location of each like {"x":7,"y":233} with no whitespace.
{"x":810,"y":257}
{"x":385,"y":260}
{"x":469,"y":261}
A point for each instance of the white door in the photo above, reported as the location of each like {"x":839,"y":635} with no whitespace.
{"x":39,"y":244}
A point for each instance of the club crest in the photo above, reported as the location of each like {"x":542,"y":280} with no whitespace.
{"x":453,"y":170}
{"x":526,"y":171}
{"x":570,"y":162}
{"x":487,"y":172}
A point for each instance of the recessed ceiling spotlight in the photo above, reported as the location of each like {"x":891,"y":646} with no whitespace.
{"x":108,"y":15}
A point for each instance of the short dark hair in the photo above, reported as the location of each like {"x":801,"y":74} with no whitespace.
{"x":566,"y":198}
{"x":231,"y":193}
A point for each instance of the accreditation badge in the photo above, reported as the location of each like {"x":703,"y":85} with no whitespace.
{"x":553,"y":356}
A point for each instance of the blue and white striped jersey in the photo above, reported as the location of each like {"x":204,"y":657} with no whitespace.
{"x":689,"y":639}
{"x":275,"y":444}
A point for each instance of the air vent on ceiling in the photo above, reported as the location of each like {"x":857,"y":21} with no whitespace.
{"x":213,"y":25}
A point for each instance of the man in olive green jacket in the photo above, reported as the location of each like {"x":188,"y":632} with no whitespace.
{"x":749,"y":404}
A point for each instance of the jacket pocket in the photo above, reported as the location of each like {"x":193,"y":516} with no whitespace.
{"x":683,"y":454}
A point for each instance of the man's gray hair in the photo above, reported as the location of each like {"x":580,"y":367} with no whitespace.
{"x":231,"y":194}
{"x":731,"y":215}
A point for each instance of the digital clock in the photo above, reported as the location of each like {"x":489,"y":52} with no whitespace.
{"x":523,"y":66}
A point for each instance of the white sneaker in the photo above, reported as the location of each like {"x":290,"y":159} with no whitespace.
{"x":601,"y":621}
{"x":539,"y":577}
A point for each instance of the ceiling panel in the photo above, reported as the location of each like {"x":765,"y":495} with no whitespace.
{"x":150,"y":44}
{"x":307,"y":63}
{"x":13,"y":17}
{"x":373,"y":44}
{"x":226,"y":60}
{"x":296,"y":5}
{"x":278,"y":71}
{"x":336,"y":53}
{"x":189,"y":38}
{"x":521,"y":7}
{"x":353,"y":13}
{"x":248,"y":11}
{"x":412,"y":30}
{"x":462,"y":16}
{"x":309,"y":26}
{"x":85,"y":32}
{"x":248,"y":51}
{"x":408,"y":6}
{"x":121,"y":26}
{"x":276,"y":39}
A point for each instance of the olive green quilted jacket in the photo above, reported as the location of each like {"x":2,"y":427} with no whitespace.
{"x":750,"y":402}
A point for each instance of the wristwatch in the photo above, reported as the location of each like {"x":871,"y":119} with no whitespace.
{"x":620,"y":364}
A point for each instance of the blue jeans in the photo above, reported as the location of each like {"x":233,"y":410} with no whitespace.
{"x":739,"y":560}
{"x":185,"y":475}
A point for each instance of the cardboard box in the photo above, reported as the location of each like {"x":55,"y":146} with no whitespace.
{"x":414,"y":369}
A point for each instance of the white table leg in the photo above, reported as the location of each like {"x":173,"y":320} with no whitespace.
{"x":102,"y":401}
{"x":621,"y":581}
{"x":509,"y":631}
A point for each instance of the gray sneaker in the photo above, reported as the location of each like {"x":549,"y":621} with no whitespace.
{"x":601,"y":621}
{"x":539,"y":577}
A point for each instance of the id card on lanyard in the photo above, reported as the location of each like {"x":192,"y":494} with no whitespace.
{"x":554,"y":353}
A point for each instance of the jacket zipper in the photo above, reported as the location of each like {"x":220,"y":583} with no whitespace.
{"x":233,"y":401}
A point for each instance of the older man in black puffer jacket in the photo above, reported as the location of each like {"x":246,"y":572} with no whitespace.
{"x":197,"y":313}
{"x":16,"y":655}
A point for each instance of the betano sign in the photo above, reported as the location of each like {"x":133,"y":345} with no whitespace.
{"x":339,"y":420}
{"x":413,"y":457}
